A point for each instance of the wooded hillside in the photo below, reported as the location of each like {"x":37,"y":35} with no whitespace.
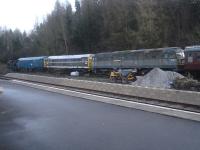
{"x":106,"y":25}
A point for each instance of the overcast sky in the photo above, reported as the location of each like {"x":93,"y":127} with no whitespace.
{"x":22,"y":14}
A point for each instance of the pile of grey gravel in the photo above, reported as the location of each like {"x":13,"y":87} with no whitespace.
{"x":158,"y":78}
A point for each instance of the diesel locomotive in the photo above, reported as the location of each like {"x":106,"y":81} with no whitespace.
{"x":145,"y":59}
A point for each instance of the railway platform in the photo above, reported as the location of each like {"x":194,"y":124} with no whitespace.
{"x":36,"y":119}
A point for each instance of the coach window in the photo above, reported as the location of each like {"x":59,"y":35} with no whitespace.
{"x":165,"y":56}
{"x":84,"y":60}
{"x":198,"y":57}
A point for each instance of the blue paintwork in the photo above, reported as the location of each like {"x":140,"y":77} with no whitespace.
{"x":31,"y":63}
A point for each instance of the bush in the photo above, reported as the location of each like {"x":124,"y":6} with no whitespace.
{"x":186,"y":84}
{"x":3,"y":68}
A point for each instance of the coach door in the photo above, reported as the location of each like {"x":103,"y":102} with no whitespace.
{"x":117,"y":61}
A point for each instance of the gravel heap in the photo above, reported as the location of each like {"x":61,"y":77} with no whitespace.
{"x":157,"y":78}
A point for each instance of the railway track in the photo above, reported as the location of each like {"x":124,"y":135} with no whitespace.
{"x":179,"y":106}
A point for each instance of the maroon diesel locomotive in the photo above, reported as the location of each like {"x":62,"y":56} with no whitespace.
{"x":192,"y":58}
{"x":192,"y":61}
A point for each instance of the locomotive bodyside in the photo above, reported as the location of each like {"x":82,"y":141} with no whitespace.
{"x":30,"y":63}
{"x":164,"y":58}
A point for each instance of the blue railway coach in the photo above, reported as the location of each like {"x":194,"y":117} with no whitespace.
{"x":31,"y":63}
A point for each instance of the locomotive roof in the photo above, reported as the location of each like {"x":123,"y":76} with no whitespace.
{"x":31,"y":58}
{"x":157,"y":49}
{"x":69,"y":56}
{"x":193,"y":48}
{"x":145,"y":50}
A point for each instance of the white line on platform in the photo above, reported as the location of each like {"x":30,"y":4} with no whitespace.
{"x":136,"y":105}
{"x":1,"y":90}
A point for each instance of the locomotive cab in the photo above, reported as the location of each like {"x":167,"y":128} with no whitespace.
{"x":180,"y":55}
{"x":192,"y":59}
{"x":90,"y":62}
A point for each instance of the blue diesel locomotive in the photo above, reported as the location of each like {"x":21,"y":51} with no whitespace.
{"x":30,"y":64}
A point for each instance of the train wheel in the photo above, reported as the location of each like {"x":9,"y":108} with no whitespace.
{"x":124,"y":80}
{"x":113,"y":79}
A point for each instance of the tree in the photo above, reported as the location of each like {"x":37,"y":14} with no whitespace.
{"x":106,"y":25}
